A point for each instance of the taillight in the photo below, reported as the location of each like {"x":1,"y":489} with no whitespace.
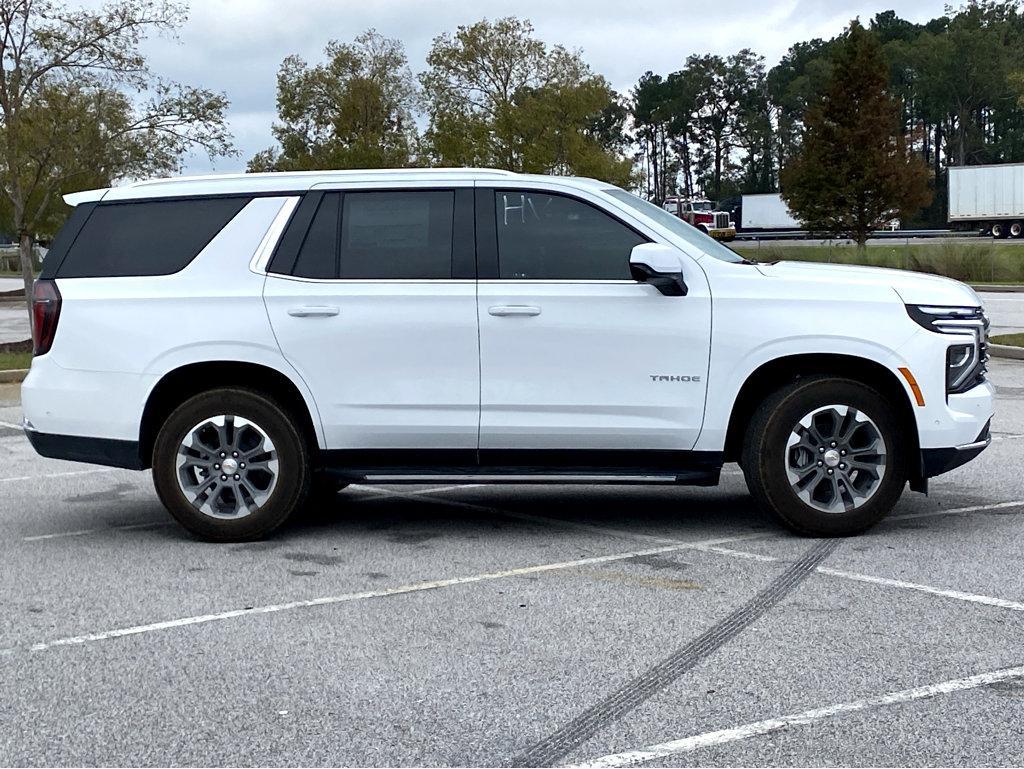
{"x":45,"y":314}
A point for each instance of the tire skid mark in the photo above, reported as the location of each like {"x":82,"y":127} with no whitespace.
{"x":556,"y":746}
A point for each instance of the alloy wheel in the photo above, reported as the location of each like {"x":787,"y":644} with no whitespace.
{"x":835,"y":458}
{"x":227,"y":466}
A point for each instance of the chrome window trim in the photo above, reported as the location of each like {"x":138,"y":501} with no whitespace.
{"x":487,"y":282}
{"x":558,"y":281}
{"x":369,"y":281}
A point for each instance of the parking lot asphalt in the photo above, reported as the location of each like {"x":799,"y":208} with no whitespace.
{"x":510,"y":625}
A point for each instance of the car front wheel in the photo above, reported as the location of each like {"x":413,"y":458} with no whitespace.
{"x":826,"y":456}
{"x":229,"y":465}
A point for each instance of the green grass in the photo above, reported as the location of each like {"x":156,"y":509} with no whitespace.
{"x":15,"y":360}
{"x":1017,"y":340}
{"x":983,"y":262}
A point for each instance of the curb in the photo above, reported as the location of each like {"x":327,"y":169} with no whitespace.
{"x":1006,"y":351}
{"x":13,"y":376}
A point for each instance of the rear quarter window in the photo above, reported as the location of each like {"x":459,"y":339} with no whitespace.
{"x":146,"y":238}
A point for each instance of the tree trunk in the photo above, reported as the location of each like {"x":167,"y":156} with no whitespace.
{"x":718,"y":167}
{"x":961,"y":142}
{"x":25,"y":254}
{"x":687,"y":173}
{"x":657,"y":174}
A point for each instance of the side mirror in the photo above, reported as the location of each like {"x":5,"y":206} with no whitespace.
{"x":660,"y":266}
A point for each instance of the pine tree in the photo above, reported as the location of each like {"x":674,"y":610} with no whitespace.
{"x":853,"y":172}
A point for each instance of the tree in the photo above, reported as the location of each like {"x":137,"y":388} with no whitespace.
{"x":793,"y":85}
{"x":853,"y":171}
{"x":651,"y":108}
{"x":354,"y":111}
{"x":724,"y":85}
{"x":497,"y":96}
{"x":69,"y":119}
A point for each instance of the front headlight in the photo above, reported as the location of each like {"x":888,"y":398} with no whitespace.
{"x":965,"y":361}
{"x":961,"y":360}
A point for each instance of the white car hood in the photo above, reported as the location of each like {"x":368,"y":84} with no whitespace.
{"x":912,"y":287}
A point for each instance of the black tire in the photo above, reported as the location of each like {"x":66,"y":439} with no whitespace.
{"x":1017,"y":230}
{"x":999,"y":230}
{"x":764,"y":459}
{"x":293,"y":464}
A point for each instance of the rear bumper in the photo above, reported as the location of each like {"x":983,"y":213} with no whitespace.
{"x":96,"y":451}
{"x":938,"y":461}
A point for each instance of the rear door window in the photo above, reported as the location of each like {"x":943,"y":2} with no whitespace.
{"x":397,"y":235}
{"x":146,"y":238}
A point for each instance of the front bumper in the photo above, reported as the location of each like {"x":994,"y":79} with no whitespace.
{"x":938,"y":461}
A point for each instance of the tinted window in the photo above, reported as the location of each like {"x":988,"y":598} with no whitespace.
{"x":551,"y":237}
{"x":318,"y":256}
{"x":397,"y":235}
{"x":155,"y":238}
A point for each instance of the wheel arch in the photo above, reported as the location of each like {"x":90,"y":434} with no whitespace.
{"x":181,"y":383}
{"x":776,"y":373}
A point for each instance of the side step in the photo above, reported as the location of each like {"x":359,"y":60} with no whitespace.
{"x":690,"y":478}
{"x":524,"y":466}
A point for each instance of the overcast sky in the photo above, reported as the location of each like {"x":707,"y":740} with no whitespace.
{"x":236,"y":46}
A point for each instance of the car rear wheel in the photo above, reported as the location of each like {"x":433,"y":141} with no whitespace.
{"x":826,"y":456}
{"x":229,"y":465}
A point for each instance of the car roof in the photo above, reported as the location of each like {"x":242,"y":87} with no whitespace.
{"x":302,"y":181}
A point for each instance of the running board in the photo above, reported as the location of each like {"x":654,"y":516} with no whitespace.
{"x":511,"y":478}
{"x":523,"y":466}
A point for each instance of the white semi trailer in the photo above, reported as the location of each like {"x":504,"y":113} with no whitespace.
{"x":988,"y":198}
{"x":766,"y":212}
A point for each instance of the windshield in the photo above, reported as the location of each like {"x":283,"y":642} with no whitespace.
{"x":704,"y":205}
{"x":677,"y":226}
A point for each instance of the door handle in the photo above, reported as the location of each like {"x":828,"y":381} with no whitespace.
{"x":506,"y":310}
{"x":313,"y":312}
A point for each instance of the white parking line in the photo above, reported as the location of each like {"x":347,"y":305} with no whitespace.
{"x":956,"y":511}
{"x":68,"y":474}
{"x":958,"y":595}
{"x":606,"y":530}
{"x":746,"y":731}
{"x":360,"y":596}
{"x":381,"y":493}
{"x":97,"y":530}
{"x":715,"y":547}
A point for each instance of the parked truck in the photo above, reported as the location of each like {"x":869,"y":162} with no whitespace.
{"x":767,"y":212}
{"x":988,"y":198}
{"x":704,"y":215}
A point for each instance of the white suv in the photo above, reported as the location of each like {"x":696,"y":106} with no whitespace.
{"x":255,"y":337}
